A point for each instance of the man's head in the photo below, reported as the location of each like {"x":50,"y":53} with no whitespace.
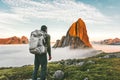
{"x":44,"y":28}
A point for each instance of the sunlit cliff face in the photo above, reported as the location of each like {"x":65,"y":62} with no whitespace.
{"x":14,"y":40}
{"x":78,"y":29}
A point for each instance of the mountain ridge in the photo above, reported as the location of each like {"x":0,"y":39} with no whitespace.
{"x":114,"y":41}
{"x":14,"y":40}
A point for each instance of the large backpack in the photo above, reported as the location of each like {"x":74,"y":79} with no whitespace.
{"x":37,"y":43}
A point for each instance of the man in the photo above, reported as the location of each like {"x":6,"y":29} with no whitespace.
{"x":42,"y":59}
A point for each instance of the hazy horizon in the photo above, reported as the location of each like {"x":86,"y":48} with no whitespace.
{"x":56,"y":39}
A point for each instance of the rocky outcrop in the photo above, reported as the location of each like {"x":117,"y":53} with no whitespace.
{"x":61,"y":41}
{"x":76,"y":36}
{"x":115,"y":41}
{"x":24,"y":40}
{"x":14,"y":40}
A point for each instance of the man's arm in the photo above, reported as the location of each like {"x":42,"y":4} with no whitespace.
{"x":48,"y":46}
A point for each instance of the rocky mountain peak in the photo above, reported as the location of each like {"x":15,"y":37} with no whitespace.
{"x":76,"y":36}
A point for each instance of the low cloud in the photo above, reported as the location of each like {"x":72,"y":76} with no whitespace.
{"x":67,"y":53}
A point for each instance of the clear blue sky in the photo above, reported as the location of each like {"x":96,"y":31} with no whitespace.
{"x":20,"y":17}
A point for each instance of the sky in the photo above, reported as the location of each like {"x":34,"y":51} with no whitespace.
{"x":20,"y":17}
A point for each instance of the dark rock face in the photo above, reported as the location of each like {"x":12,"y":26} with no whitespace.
{"x":73,"y":42}
{"x":14,"y":40}
{"x":61,"y":42}
{"x":56,"y":44}
{"x":76,"y":37}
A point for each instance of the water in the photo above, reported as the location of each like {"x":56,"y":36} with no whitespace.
{"x":18,"y":55}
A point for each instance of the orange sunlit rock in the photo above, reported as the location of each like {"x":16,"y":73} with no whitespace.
{"x":24,"y":40}
{"x":78,"y":29}
{"x":76,"y":37}
{"x":111,"y":41}
{"x":14,"y":40}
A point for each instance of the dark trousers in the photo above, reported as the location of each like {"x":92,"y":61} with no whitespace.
{"x":40,"y":60}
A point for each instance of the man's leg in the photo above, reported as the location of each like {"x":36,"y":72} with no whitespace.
{"x":36,"y":67}
{"x":43,"y":72}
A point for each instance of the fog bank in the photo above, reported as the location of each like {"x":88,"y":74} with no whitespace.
{"x":67,"y":53}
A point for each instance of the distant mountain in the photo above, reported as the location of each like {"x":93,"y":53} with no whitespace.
{"x":14,"y":40}
{"x":115,"y":41}
{"x":76,"y":36}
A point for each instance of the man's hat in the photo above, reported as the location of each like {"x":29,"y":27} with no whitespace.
{"x":43,"y":27}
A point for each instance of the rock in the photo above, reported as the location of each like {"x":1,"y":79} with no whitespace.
{"x":27,"y":79}
{"x":80,"y":63}
{"x":76,"y":36}
{"x":88,"y":70}
{"x":56,"y":44}
{"x":118,"y":55}
{"x":31,"y":79}
{"x":86,"y":78}
{"x":115,"y":41}
{"x":59,"y":75}
{"x":60,"y":44}
{"x":23,"y":40}
{"x":91,"y":62}
{"x":111,"y":56}
{"x":14,"y":40}
{"x":106,"y":56}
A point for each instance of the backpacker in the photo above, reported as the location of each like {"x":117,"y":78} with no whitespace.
{"x":37,"y":43}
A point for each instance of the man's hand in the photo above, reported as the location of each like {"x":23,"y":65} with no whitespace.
{"x":50,"y":58}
